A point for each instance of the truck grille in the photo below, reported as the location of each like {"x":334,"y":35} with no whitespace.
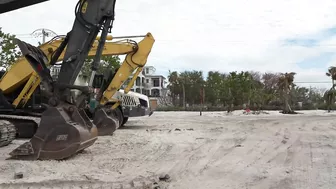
{"x":128,"y":101}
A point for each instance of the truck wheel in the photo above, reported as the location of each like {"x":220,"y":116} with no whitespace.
{"x":124,"y":121}
{"x":117,"y":113}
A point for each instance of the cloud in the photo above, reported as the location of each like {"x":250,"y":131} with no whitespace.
{"x":208,"y":35}
{"x":311,"y":39}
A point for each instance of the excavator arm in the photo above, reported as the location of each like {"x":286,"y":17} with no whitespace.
{"x":65,"y":128}
{"x":133,"y":64}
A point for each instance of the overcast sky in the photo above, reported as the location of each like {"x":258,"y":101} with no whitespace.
{"x":260,"y":35}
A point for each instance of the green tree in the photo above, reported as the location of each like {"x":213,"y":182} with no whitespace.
{"x":174,"y":86}
{"x":332,"y":74}
{"x":299,"y":94}
{"x":259,"y":91}
{"x":239,"y":85}
{"x":9,"y":51}
{"x":192,"y":81}
{"x":270,"y":90}
{"x":214,"y":84}
{"x":329,"y":95}
{"x":107,"y":63}
{"x":186,"y":86}
{"x":285,"y":85}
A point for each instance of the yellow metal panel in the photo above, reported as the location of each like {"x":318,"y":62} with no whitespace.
{"x":21,"y":71}
{"x":133,"y":61}
{"x":28,"y":90}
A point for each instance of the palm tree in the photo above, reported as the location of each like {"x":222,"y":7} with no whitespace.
{"x":285,"y":84}
{"x":332,"y":73}
{"x":173,"y":86}
{"x":329,"y":95}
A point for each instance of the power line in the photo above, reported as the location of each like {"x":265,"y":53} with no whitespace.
{"x":23,"y":34}
{"x":41,"y":32}
{"x":44,"y":32}
{"x":220,"y":42}
{"x":312,"y":81}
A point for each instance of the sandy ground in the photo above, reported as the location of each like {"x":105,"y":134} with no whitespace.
{"x":215,"y":150}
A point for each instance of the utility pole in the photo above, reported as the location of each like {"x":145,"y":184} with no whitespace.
{"x":184,"y":103}
{"x":44,"y":33}
{"x":202,"y":95}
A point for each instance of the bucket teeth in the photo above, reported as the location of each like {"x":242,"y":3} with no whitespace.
{"x":25,"y":152}
{"x":25,"y":149}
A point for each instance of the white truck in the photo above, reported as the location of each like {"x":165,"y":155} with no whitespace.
{"x":133,"y":104}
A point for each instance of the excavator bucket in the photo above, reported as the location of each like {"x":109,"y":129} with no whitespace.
{"x":105,"y":121}
{"x":104,"y":117}
{"x":63,"y":131}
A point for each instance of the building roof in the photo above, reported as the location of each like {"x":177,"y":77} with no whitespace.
{"x":155,"y":76}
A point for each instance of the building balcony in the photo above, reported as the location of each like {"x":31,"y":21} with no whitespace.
{"x":147,"y":85}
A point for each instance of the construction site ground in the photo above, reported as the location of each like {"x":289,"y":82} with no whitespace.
{"x":184,"y":150}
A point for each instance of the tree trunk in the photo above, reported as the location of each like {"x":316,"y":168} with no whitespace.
{"x":184,"y":102}
{"x":287,"y":108}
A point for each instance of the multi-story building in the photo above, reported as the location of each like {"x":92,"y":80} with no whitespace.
{"x":149,"y":83}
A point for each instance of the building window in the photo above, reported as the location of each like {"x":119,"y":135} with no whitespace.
{"x":137,"y":81}
{"x":156,"y":82}
{"x":147,"y":70}
{"x":155,"y":93}
{"x":147,"y":80}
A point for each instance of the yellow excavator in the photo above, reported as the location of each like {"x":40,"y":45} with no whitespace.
{"x":69,"y":125}
{"x":19,"y":87}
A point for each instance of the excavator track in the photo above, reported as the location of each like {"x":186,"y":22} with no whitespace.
{"x":17,"y":117}
{"x":7,"y":132}
{"x":25,"y":126}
